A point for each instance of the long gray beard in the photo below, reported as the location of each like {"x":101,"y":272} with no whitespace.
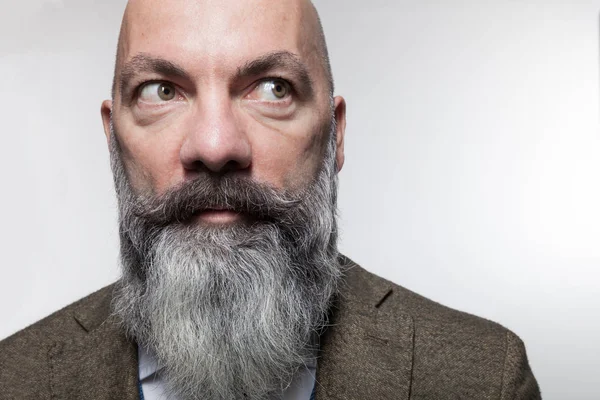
{"x":230,"y":312}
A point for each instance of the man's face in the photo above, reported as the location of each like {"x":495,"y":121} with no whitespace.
{"x":224,"y":86}
{"x":223,"y":111}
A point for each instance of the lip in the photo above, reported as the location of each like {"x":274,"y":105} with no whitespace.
{"x":217,"y":216}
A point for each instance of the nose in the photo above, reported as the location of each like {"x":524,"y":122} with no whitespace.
{"x":215,"y":140}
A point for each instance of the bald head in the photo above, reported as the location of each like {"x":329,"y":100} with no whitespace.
{"x":206,"y":77}
{"x":312,"y":30}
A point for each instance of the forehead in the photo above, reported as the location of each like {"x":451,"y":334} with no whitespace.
{"x":216,"y":34}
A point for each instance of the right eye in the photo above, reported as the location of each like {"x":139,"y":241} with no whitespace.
{"x":157,"y":92}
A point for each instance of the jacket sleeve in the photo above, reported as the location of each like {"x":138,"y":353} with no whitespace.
{"x":518,"y":382}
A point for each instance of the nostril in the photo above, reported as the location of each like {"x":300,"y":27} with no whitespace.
{"x":231,"y":165}
{"x":198,"y":167}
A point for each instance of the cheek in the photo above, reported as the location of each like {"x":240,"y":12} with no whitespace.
{"x":287,"y":157}
{"x":151,"y":158}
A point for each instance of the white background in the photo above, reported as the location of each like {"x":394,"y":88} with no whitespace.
{"x":472,"y":173}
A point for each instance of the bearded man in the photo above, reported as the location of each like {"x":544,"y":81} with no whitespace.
{"x":225,"y":142}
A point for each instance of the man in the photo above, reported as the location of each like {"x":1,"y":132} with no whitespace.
{"x":225,"y":143}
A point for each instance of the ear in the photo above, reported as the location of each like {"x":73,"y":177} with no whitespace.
{"x":340,"y":118}
{"x":106,"y":111}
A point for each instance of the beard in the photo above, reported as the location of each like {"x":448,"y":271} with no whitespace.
{"x":232,"y":311}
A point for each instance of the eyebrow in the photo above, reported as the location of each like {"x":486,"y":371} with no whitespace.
{"x":145,"y":63}
{"x":279,"y":60}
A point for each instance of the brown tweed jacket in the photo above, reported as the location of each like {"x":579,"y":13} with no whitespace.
{"x":385,"y":342}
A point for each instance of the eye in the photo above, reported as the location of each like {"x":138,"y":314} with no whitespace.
{"x":157,"y":92}
{"x":272,"y":90}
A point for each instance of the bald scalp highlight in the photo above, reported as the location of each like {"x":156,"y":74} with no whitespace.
{"x":321,"y":47}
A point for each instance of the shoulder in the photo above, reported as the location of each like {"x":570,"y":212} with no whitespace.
{"x":453,"y":352}
{"x":24,"y":355}
{"x":428,"y":315}
{"x":63,"y":323}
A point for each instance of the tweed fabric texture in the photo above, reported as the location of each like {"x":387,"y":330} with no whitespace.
{"x":383,"y":342}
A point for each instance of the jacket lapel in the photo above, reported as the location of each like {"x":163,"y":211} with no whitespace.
{"x":99,"y":365}
{"x":366,"y":353}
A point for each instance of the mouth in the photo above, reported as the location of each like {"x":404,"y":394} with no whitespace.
{"x":217,"y":216}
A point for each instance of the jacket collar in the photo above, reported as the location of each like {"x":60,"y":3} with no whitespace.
{"x":99,"y":365}
{"x":367,"y":352}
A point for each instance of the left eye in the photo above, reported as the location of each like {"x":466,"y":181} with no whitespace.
{"x":273,"y":90}
{"x":156,"y":92}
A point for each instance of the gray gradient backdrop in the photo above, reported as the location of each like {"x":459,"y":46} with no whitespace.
{"x":472,"y":174}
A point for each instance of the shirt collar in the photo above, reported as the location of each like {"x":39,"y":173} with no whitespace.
{"x":148,"y":365}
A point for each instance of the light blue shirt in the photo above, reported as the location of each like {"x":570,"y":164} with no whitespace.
{"x":153,"y":387}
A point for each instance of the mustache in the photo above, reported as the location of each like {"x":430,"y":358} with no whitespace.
{"x":211,"y":192}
